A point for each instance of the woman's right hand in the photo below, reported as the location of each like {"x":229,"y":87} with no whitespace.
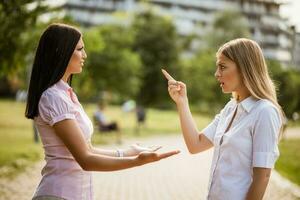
{"x":148,"y":157}
{"x":176,"y":89}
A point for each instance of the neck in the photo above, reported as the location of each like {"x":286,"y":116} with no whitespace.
{"x":242,"y":95}
{"x":65,"y":78}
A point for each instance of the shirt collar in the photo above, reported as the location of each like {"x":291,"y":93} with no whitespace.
{"x":248,"y":103}
{"x":63,"y":85}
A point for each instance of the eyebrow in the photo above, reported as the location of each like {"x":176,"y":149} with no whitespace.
{"x":220,"y":63}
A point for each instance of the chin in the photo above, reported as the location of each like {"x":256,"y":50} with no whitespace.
{"x":226,"y":91}
{"x":78,"y":72}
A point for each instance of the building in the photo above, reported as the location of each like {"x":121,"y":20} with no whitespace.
{"x":266,"y":25}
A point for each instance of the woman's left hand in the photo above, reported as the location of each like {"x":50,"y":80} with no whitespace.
{"x":136,"y":149}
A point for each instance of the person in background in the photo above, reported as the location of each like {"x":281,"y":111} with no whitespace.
{"x":103,"y":124}
{"x":64,"y":127}
{"x":245,"y":133}
{"x":140,"y":117}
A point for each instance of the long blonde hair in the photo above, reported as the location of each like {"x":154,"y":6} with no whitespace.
{"x":248,"y":57}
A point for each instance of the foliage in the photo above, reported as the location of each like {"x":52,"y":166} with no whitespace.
{"x":227,"y":25}
{"x":287,"y":81}
{"x":155,"y":42}
{"x":16,"y":19}
{"x":111,"y":65}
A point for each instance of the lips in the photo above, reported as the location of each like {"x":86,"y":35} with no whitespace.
{"x":221,"y":83}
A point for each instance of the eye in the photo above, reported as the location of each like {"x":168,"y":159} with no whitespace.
{"x":79,"y":49}
{"x":222,"y":67}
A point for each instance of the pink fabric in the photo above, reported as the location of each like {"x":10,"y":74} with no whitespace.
{"x":62,"y":176}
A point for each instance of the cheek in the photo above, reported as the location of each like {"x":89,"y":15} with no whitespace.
{"x":74,"y":64}
{"x":75,"y":59}
{"x":232,"y":79}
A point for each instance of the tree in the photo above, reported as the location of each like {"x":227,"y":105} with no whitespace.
{"x":111,"y":66}
{"x":155,"y":42}
{"x":16,"y":18}
{"x":227,"y":25}
{"x":287,"y":82}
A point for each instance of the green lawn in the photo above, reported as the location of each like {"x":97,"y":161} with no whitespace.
{"x":17,"y":149}
{"x":288,"y":163}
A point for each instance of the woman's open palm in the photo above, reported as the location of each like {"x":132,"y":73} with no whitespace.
{"x":148,"y":157}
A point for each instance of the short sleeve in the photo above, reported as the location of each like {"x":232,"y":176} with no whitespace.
{"x":211,"y":129}
{"x":265,"y":138}
{"x":54,"y":108}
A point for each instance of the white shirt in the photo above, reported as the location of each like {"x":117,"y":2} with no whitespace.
{"x":250,"y":142}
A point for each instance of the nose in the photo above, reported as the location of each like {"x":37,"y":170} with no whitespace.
{"x":84,"y":54}
{"x":217,"y":73}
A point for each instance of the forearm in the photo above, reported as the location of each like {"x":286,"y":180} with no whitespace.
{"x":259,"y":184}
{"x":188,"y":127}
{"x":97,"y":162}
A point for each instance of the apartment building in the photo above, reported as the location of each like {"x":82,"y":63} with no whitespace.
{"x":277,"y":39}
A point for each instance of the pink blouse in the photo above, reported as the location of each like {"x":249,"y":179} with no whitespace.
{"x":62,"y":176}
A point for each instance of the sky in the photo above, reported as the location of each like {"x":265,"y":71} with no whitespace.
{"x":291,"y":10}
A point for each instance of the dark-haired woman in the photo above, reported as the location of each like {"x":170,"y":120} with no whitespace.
{"x":64,"y":127}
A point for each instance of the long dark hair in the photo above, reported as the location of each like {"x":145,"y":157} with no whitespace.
{"x":52,"y":57}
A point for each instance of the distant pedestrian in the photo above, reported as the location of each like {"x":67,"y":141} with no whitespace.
{"x":140,"y":117}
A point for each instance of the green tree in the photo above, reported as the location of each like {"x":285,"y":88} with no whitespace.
{"x":155,"y":42}
{"x":287,"y":81}
{"x":16,"y":18}
{"x":227,"y":25}
{"x":111,"y":66}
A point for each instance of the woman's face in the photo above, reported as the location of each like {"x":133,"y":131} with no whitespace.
{"x":228,"y":75}
{"x":77,"y":60}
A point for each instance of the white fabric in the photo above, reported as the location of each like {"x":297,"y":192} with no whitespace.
{"x":252,"y":141}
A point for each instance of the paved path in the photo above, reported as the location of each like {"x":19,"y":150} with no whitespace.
{"x":182,"y":177}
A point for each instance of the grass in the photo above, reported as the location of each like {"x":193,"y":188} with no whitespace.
{"x":18,"y":150}
{"x":288,"y":163}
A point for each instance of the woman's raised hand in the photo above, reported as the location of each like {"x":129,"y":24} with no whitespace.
{"x":177,"y":89}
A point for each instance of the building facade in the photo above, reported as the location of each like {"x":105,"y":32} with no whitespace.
{"x":277,"y":39}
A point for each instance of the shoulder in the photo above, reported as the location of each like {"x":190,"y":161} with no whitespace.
{"x":266,"y":110}
{"x":264,"y":105}
{"x":52,"y":95}
{"x":54,"y":99}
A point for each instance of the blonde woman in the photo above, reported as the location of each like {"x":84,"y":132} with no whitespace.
{"x":245,"y":133}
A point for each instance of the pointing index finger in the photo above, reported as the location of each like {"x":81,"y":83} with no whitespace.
{"x":167,"y":75}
